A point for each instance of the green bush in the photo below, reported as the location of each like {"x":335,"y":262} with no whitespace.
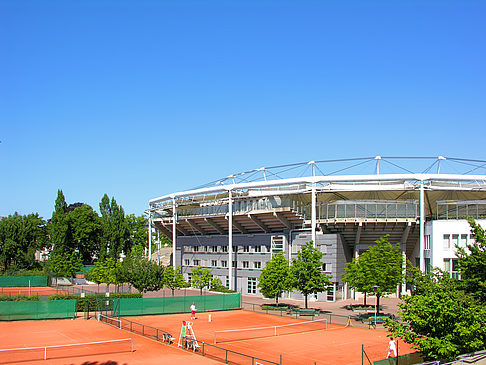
{"x":13,"y":271}
{"x":17,"y":298}
{"x":91,"y":299}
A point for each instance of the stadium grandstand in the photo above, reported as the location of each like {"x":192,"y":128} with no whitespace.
{"x":233,"y":225}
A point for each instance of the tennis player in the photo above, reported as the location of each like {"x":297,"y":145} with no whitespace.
{"x":392,"y":347}
{"x":193,"y":311}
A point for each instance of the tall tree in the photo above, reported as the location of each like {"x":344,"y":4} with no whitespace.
{"x":137,"y":230}
{"x":275,"y":277}
{"x":86,"y":232}
{"x":115,"y":231}
{"x":201,"y":278}
{"x":65,"y":263}
{"x":306,"y":272}
{"x":20,"y":237}
{"x":377,"y":270}
{"x":143,"y":274}
{"x":440,"y":320}
{"x":173,"y":279}
{"x":59,"y":227}
{"x":472,"y":263}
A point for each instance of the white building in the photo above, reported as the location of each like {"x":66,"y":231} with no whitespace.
{"x":234,"y":225}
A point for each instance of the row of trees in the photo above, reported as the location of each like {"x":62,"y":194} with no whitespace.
{"x":304,"y":274}
{"x":75,"y":235}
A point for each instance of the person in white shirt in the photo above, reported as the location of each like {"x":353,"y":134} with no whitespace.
{"x":392,"y":347}
{"x":193,"y":311}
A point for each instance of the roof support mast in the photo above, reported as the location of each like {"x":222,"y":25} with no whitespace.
{"x":174,"y":233}
{"x":422,"y":226}
{"x":313,"y":216}
{"x":150,"y":236}
{"x":230,"y":239}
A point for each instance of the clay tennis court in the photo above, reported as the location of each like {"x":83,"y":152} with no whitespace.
{"x":34,"y":290}
{"x":21,"y":334}
{"x":335,"y":345}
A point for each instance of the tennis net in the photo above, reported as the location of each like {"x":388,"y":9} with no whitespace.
{"x":61,"y":351}
{"x":115,"y":322}
{"x":259,"y":332}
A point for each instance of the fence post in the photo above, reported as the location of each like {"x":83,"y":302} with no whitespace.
{"x":362,"y":359}
{"x":280,"y":359}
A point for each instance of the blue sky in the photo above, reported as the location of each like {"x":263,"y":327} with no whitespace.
{"x":138,"y":99}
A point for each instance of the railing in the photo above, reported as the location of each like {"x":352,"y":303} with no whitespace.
{"x":461,"y":209}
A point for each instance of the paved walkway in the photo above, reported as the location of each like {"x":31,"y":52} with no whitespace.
{"x":389,"y":305}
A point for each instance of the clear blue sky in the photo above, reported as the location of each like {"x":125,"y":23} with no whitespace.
{"x":138,"y":99}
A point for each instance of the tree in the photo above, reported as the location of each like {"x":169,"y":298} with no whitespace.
{"x":377,"y":270}
{"x":201,"y":278}
{"x":275,"y":277}
{"x":65,"y":264}
{"x":105,"y":271}
{"x":86,"y":232}
{"x":59,"y":228}
{"x":143,"y":274}
{"x":440,"y":321}
{"x":115,"y":230}
{"x":137,"y":230}
{"x":173,"y":279}
{"x":472,"y":263}
{"x":306,"y":272}
{"x":20,"y":237}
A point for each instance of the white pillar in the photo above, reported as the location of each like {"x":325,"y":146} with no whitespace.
{"x":230,"y":239}
{"x":422,"y":226}
{"x":150,"y":236}
{"x":313,"y":215}
{"x":174,"y":233}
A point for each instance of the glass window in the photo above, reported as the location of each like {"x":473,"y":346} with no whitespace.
{"x":186,"y":262}
{"x":196,"y":262}
{"x":471,"y":239}
{"x":214,"y":263}
{"x":224,"y":263}
{"x":224,"y":248}
{"x":463,"y":242}
{"x":252,"y":285}
{"x":258,"y":248}
{"x":447,"y":241}
{"x":195,"y":249}
{"x":257,"y":265}
{"x":246,"y":264}
{"x":427,"y":265}
{"x":206,"y":248}
{"x":246,"y":248}
{"x":189,"y":278}
{"x":227,"y":282}
{"x":234,"y":263}
{"x":455,"y":240}
{"x":427,"y":242}
{"x":214,"y":248}
{"x":278,"y":243}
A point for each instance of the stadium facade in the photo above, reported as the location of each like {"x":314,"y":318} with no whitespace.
{"x":234,"y":225}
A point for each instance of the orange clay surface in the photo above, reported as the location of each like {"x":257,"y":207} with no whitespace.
{"x":34,"y":290}
{"x":56,"y":332}
{"x":336,"y":345}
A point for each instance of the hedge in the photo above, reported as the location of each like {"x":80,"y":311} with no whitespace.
{"x":17,"y":298}
{"x":91,"y":299}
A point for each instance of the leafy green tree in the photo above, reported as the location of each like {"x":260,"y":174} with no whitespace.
{"x":115,"y":230}
{"x":440,"y":321}
{"x":306,"y":272}
{"x":275,"y":277}
{"x":472,"y":263}
{"x":59,"y":228}
{"x":86,"y":232}
{"x":201,"y":278}
{"x":143,"y":274}
{"x":173,"y":279}
{"x":65,"y":264}
{"x":217,"y":285}
{"x":137,"y":229}
{"x":105,"y":271}
{"x":377,"y":270}
{"x":20,"y":237}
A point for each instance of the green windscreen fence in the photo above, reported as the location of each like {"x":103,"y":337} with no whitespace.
{"x":10,"y":281}
{"x":38,"y":309}
{"x":145,"y":306}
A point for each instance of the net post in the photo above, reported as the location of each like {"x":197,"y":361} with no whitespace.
{"x":45,"y":353}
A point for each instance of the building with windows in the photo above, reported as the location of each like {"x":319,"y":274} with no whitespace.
{"x":234,"y":225}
